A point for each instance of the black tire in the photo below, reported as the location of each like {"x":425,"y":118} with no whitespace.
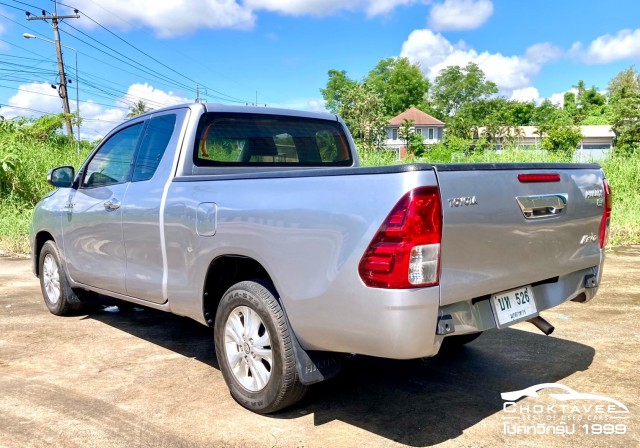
{"x":282,"y":388}
{"x":456,"y":342}
{"x":56,"y":291}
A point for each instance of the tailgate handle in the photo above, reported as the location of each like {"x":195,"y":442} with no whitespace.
{"x":542,"y":206}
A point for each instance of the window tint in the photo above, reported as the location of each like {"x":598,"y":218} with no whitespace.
{"x":154,"y":143}
{"x":269,"y":140}
{"x":112,"y":163}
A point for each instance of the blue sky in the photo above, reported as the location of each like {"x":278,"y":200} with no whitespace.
{"x":282,"y":49}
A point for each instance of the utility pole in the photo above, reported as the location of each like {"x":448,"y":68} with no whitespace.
{"x":55,"y":18}
{"x":197,"y":93}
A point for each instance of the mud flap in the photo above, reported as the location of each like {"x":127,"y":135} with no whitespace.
{"x":313,"y":366}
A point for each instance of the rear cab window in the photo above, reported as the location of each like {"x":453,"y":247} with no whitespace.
{"x":241,"y":139}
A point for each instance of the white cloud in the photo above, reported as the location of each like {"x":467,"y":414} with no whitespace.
{"x":558,"y":98}
{"x":316,"y":106}
{"x":459,"y":14}
{"x":326,"y":7}
{"x":299,"y":7}
{"x":625,"y":44}
{"x":433,"y":52}
{"x":168,"y":17}
{"x":309,"y":104}
{"x":35,"y":99}
{"x":153,"y":98}
{"x":32,"y":97}
{"x":526,"y":94}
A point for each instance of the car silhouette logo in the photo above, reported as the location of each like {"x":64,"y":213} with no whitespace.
{"x":569,"y":394}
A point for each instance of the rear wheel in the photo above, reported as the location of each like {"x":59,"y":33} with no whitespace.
{"x":58,"y":295}
{"x":255,"y":350}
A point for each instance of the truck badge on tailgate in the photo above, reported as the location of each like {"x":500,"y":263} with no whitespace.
{"x":459,"y":202}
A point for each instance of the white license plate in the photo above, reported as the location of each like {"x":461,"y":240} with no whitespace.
{"x":513,"y":305}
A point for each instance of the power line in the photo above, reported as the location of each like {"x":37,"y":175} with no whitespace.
{"x":196,"y":60}
{"x":145,"y":70}
{"x":29,"y":5}
{"x":230,"y":98}
{"x":47,"y":113}
{"x":11,"y":6}
{"x":56,"y":96}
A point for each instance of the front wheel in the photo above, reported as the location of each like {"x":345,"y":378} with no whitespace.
{"x":255,"y":349}
{"x":56,"y":291}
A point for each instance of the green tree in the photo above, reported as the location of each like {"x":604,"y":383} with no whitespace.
{"x":362,"y":111}
{"x":571,"y":107}
{"x":400,"y":84}
{"x":337,"y":86}
{"x":624,"y":100}
{"x":547,"y":114}
{"x":405,"y":132}
{"x":137,"y":109}
{"x":416,"y":146}
{"x":561,"y":139}
{"x":455,"y":87}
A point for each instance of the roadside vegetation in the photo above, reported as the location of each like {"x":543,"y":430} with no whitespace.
{"x":459,"y":96}
{"x":28,"y":149}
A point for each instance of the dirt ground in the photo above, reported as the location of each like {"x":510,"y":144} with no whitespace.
{"x":150,"y":379}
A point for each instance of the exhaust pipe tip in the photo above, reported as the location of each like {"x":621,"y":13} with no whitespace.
{"x":542,"y":325}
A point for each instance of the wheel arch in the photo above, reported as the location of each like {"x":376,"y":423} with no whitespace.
{"x":225,"y":271}
{"x":41,"y":237}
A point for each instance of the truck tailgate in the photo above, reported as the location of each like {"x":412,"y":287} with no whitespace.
{"x":501,"y":232}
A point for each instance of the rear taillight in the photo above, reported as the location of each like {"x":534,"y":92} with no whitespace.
{"x":606,"y":214}
{"x":405,"y":252}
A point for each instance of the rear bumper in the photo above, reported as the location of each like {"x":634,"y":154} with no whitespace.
{"x":476,"y":315}
{"x":403,"y":324}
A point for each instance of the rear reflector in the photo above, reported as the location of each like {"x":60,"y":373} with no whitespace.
{"x":405,"y":252}
{"x":536,"y":178}
{"x":606,"y":214}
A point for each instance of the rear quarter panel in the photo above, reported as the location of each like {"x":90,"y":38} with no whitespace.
{"x":308,"y":232}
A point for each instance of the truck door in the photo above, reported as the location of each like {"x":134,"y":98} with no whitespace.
{"x":92,"y":225}
{"x":142,"y":206}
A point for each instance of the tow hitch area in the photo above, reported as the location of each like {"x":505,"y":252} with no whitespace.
{"x":542,"y":325}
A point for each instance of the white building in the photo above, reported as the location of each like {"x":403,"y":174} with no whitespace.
{"x":424,"y":124}
{"x":596,"y":143}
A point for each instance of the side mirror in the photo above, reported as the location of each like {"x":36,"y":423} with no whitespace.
{"x":61,"y":177}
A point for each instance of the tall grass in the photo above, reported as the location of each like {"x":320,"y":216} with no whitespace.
{"x":624,"y":176}
{"x":25,"y":158}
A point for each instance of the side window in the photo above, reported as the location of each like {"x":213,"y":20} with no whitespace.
{"x":154,"y":143}
{"x":112,"y":163}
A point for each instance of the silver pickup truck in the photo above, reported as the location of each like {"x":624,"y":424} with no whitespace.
{"x":259,"y":223}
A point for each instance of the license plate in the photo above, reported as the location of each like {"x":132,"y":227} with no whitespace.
{"x":513,"y":305}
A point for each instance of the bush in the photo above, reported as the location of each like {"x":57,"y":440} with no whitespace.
{"x":28,"y":149}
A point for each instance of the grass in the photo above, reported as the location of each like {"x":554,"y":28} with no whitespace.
{"x":25,"y":160}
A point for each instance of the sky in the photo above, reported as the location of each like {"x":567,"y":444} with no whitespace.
{"x":278,"y":52}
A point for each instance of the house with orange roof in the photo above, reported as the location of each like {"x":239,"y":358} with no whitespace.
{"x":424,"y":124}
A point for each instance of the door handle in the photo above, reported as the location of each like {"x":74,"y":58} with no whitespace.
{"x":543,"y":206}
{"x":112,"y":204}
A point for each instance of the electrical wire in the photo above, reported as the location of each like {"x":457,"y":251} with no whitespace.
{"x":229,"y":97}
